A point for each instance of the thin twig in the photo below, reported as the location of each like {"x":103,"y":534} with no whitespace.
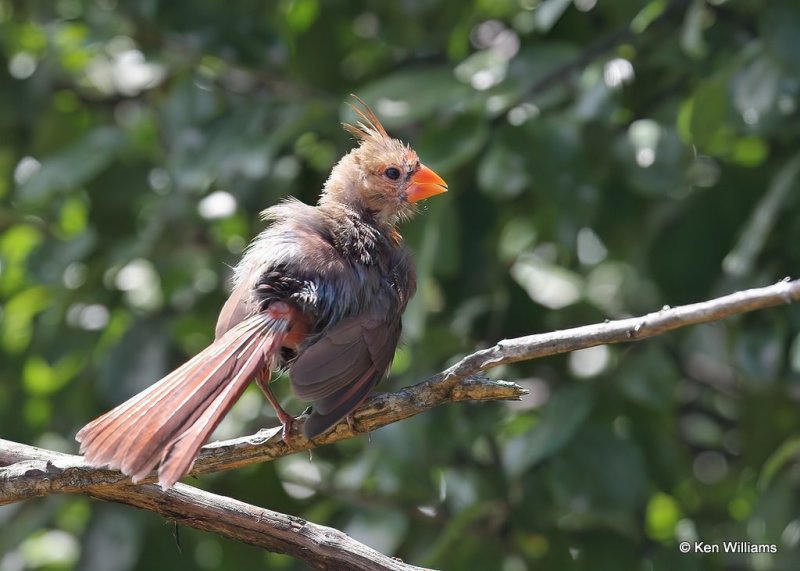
{"x":623,"y":330}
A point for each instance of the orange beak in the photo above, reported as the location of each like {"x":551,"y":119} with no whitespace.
{"x":424,"y":184}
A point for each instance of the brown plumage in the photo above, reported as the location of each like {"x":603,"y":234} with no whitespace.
{"x":320,"y":293}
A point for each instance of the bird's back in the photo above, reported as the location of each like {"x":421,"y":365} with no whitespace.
{"x":332,"y":262}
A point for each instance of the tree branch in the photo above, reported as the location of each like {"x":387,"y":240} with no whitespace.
{"x":30,"y":471}
{"x":623,"y":330}
{"x":320,"y":546}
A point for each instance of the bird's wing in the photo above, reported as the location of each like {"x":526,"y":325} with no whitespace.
{"x":340,"y":368}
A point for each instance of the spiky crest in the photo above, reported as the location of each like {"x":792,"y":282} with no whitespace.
{"x":369,"y":127}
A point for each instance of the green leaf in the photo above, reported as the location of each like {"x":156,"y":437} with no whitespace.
{"x":300,"y":14}
{"x":756,"y":231}
{"x":787,"y":453}
{"x":16,"y":327}
{"x":16,"y":244}
{"x":407,"y":96}
{"x":74,"y":216}
{"x":537,"y":62}
{"x":74,"y":166}
{"x":648,"y":377}
{"x":708,"y":125}
{"x":757,"y":86}
{"x":550,"y":12}
{"x":553,"y":157}
{"x":447,"y":147}
{"x":780,"y":25}
{"x":647,"y":15}
{"x":42,"y":379}
{"x":560,"y":420}
{"x":600,"y":479}
{"x":661,"y":516}
{"x":749,"y":151}
{"x":502,"y":171}
{"x":694,"y":24}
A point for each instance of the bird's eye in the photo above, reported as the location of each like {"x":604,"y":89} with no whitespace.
{"x":392,"y":173}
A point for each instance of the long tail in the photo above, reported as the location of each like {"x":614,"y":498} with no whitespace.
{"x":168,"y":422}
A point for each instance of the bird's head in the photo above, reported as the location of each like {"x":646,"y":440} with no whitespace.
{"x":381,"y":175}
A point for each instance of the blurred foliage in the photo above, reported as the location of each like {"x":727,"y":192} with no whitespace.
{"x":604,"y":159}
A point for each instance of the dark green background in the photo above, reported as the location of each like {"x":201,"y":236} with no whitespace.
{"x":603,"y":159}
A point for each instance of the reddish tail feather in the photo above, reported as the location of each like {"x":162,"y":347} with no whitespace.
{"x":170,"y":421}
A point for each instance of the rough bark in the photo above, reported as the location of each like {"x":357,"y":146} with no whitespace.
{"x":27,"y":471}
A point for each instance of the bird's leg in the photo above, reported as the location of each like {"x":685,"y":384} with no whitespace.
{"x":286,"y":419}
{"x":351,"y":421}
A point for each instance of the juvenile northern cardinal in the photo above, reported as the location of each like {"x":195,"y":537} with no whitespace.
{"x":319,"y":293}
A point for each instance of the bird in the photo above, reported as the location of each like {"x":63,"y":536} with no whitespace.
{"x":318,"y":294}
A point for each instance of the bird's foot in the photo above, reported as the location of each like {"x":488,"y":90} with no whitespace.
{"x":287,"y":422}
